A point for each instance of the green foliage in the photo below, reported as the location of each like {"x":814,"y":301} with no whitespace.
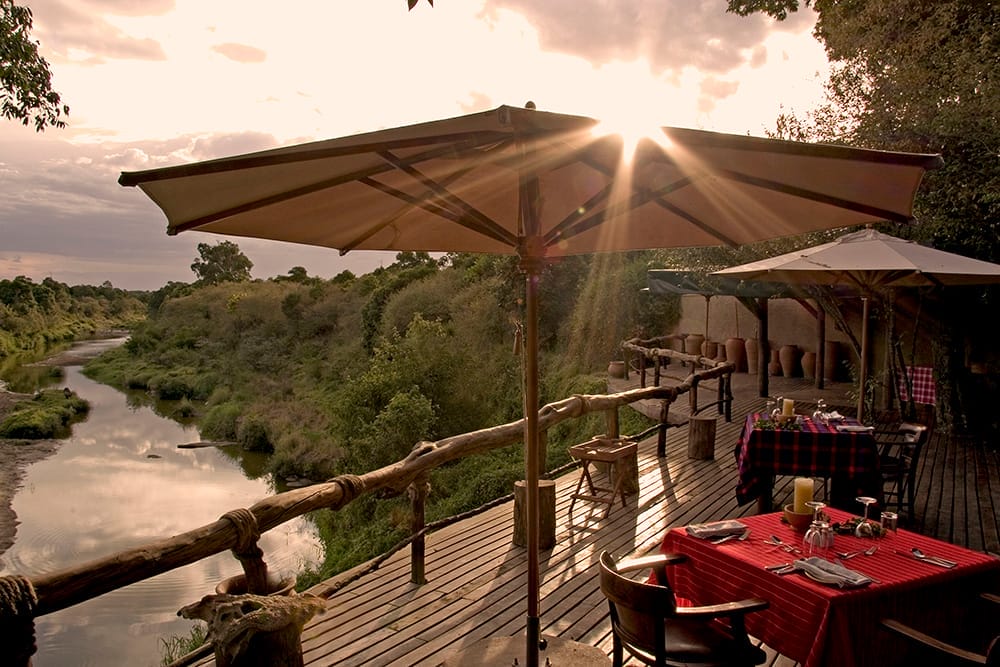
{"x":48,"y":415}
{"x":177,"y":646}
{"x":251,"y":433}
{"x":25,"y":79}
{"x":221,"y":263}
{"x":33,"y":315}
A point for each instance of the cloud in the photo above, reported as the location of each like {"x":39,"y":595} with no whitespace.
{"x":670,"y":34}
{"x":75,"y":31}
{"x":241,"y":53}
{"x":64,"y":215}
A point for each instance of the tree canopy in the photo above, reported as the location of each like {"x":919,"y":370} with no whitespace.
{"x":220,"y":263}
{"x":25,"y":79}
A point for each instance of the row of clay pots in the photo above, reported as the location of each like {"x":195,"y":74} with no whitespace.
{"x":786,"y":360}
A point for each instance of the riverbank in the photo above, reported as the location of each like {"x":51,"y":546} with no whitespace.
{"x":17,"y":455}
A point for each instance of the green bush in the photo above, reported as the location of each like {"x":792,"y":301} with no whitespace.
{"x":251,"y":433}
{"x":48,"y":415}
{"x":219,"y":423}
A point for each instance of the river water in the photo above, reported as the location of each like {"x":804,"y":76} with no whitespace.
{"x":118,"y":482}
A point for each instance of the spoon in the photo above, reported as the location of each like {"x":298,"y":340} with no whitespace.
{"x":917,"y":553}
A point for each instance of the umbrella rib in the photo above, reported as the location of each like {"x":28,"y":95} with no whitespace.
{"x":458,"y":206}
{"x":420,"y":202}
{"x":803,"y":193}
{"x":575,"y":224}
{"x":299,"y":192}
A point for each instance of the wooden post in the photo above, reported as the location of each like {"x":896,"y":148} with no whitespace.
{"x":17,"y":620}
{"x":657,"y":366}
{"x":763,"y":348}
{"x":693,"y":395}
{"x":701,"y":437}
{"x":612,"y":428}
{"x":418,"y":491}
{"x":546,"y":514}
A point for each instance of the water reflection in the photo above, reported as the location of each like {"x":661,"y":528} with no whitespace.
{"x":118,"y":482}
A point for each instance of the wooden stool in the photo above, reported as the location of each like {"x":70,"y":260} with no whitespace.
{"x":701,"y":437}
{"x":621,"y":458}
{"x":546,"y":514}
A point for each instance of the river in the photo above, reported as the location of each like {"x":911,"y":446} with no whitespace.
{"x":118,"y":482}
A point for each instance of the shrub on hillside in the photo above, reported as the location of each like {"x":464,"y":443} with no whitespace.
{"x":46,"y":416}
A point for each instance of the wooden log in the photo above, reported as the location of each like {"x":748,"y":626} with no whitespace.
{"x":701,"y":437}
{"x":546,"y":514}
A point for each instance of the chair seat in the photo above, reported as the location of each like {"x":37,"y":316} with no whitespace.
{"x":707,"y":644}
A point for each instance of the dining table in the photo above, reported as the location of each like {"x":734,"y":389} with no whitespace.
{"x":822,"y":625}
{"x":841,"y":450}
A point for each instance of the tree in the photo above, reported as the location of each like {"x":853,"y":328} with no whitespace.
{"x":25,"y":79}
{"x":921,"y":75}
{"x":223,"y":262}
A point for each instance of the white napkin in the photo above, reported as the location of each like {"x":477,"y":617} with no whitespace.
{"x":831,"y":573}
{"x":706,"y":531}
{"x":832,"y":416}
{"x":854,"y":428}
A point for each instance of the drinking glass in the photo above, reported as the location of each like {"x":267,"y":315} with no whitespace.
{"x":817,"y":508}
{"x":890,"y":523}
{"x":820,"y":414}
{"x":866,"y":530}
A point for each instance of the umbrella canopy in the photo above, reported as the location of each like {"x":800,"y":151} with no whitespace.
{"x":869,"y":261}
{"x":539,"y":185}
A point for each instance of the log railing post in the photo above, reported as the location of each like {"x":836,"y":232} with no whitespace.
{"x":657,"y":369}
{"x":246,"y":550}
{"x":693,"y":395}
{"x":661,"y":431}
{"x":418,"y":491}
{"x":18,"y":602}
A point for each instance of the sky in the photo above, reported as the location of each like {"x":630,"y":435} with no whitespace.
{"x":153,"y":83}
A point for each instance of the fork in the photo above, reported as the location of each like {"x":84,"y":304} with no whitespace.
{"x":742,"y":537}
{"x":846,"y":555}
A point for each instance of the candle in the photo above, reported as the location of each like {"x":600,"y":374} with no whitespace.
{"x":788,"y":407}
{"x":803,"y":494}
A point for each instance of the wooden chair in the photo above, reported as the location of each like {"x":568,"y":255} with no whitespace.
{"x":646,"y":621}
{"x":935,"y":651}
{"x":898,"y":458}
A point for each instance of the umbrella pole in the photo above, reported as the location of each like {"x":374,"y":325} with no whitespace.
{"x":866,"y":311}
{"x":531,"y":457}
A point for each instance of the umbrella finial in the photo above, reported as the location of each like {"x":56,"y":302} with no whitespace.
{"x":529,"y":105}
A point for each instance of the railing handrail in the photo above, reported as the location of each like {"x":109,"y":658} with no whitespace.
{"x":79,"y":583}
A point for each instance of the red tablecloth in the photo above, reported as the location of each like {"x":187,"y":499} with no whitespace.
{"x":816,"y":450}
{"x":823,"y":626}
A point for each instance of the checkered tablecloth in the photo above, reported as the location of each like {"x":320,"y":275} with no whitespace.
{"x":924,"y":388}
{"x":816,"y":450}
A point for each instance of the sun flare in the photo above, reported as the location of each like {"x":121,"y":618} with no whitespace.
{"x":632,"y":125}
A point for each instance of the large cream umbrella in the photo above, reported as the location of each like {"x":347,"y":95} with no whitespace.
{"x":539,"y":185}
{"x":870,"y":262}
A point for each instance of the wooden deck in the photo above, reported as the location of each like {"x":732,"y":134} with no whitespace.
{"x":476,"y":577}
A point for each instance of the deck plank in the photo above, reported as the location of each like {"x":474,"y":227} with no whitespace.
{"x":476,"y":577}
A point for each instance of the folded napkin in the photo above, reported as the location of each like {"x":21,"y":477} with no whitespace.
{"x":706,"y":531}
{"x":854,"y":428}
{"x":834,"y":574}
{"x":831,"y":416}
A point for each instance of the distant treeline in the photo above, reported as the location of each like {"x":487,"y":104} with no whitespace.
{"x":346,"y":375}
{"x":33,"y":315}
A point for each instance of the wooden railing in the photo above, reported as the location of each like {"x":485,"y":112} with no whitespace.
{"x":22,"y":599}
{"x":639,"y":352}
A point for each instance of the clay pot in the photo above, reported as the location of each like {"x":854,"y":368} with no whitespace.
{"x":720,"y":353}
{"x":709,"y":349}
{"x":616,"y":369}
{"x":753,"y":356}
{"x":677,"y":342}
{"x":831,"y":359}
{"x":774,"y":367}
{"x":736,"y":353}
{"x":788,"y":355}
{"x":692,"y":344}
{"x":237,"y":585}
{"x":809,"y":365}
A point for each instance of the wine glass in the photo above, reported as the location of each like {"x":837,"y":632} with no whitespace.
{"x":776,"y":411}
{"x":820,"y":414}
{"x":817,"y":508}
{"x":867,"y":501}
